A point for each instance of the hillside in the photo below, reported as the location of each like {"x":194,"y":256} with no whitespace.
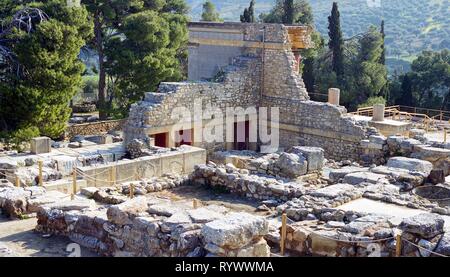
{"x":411,"y":25}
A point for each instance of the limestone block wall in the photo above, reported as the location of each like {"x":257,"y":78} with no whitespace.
{"x":94,"y":128}
{"x":318,"y":124}
{"x":153,"y":227}
{"x":281,"y":78}
{"x":173,"y":162}
{"x":237,"y":87}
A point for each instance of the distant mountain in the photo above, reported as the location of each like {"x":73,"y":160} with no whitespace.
{"x":411,"y":25}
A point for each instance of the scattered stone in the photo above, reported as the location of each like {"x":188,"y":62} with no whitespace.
{"x":426,"y":225}
{"x":410,"y":164}
{"x":235,"y":230}
{"x":338,"y":174}
{"x":364,"y":177}
{"x":123,"y":214}
{"x":314,"y":156}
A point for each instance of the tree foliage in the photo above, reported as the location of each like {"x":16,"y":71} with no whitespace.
{"x":39,"y":98}
{"x":145,"y":55}
{"x":249,"y":13}
{"x":336,"y":41}
{"x":300,"y":11}
{"x":109,"y":26}
{"x":428,"y":83}
{"x":209,"y":12}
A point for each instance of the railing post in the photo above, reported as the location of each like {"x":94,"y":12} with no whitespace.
{"x":131,"y":190}
{"x":398,"y":245}
{"x":445,"y":135}
{"x":74,"y":183}
{"x":283,"y":233}
{"x":40,"y":164}
{"x":17,"y":181}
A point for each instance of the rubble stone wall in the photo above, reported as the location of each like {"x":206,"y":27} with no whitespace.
{"x":94,"y":128}
{"x":150,"y":227}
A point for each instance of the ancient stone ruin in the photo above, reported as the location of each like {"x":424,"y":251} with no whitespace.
{"x":337,"y":184}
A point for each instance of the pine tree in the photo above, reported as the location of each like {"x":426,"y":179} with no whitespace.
{"x":336,"y":42}
{"x":38,"y":100}
{"x":249,"y":13}
{"x":110,"y":15}
{"x":209,"y":12}
{"x":289,"y":12}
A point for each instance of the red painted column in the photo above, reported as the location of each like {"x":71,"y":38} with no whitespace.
{"x":298,"y":60}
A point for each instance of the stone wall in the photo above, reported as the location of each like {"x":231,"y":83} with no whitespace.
{"x":180,"y":161}
{"x":154,"y":227}
{"x":240,"y":182}
{"x":237,"y":87}
{"x":94,"y":128}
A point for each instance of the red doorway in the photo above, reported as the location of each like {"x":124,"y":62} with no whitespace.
{"x":161,"y":139}
{"x":241,"y":135}
{"x":184,"y":137}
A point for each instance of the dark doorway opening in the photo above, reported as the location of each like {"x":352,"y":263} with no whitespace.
{"x":184,"y":137}
{"x":161,"y":139}
{"x":241,"y":135}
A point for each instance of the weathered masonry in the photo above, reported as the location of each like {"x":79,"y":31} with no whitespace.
{"x":248,"y":66}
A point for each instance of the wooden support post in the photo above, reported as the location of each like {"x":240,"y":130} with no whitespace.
{"x":195,"y":203}
{"x":440,"y":117}
{"x":74,"y":183}
{"x":17,"y":181}
{"x":398,"y":245}
{"x":41,"y":179}
{"x":113,"y":175}
{"x":445,"y":135}
{"x":283,"y":233}
{"x":131,"y":190}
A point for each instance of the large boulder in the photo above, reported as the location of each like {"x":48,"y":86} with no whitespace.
{"x":314,"y":156}
{"x":337,"y":174}
{"x":292,"y":165}
{"x":426,"y":225}
{"x":410,"y":164}
{"x":13,"y":201}
{"x":124,"y":213}
{"x":333,"y":191}
{"x":439,"y":157}
{"x":364,"y":177}
{"x":235,"y":230}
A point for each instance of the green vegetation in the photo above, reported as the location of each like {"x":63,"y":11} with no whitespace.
{"x":34,"y":99}
{"x":289,"y":12}
{"x":249,"y":13}
{"x":336,"y":42}
{"x":113,"y":43}
{"x":209,"y":12}
{"x":428,"y":83}
{"x":373,"y":101}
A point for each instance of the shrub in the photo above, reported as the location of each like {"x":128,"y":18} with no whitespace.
{"x":373,"y":101}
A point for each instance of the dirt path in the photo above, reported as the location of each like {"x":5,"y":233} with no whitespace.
{"x":18,"y":239}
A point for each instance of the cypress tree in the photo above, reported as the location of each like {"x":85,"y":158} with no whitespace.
{"x":289,"y":12}
{"x":249,"y":13}
{"x":383,"y":54}
{"x":336,"y":43}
